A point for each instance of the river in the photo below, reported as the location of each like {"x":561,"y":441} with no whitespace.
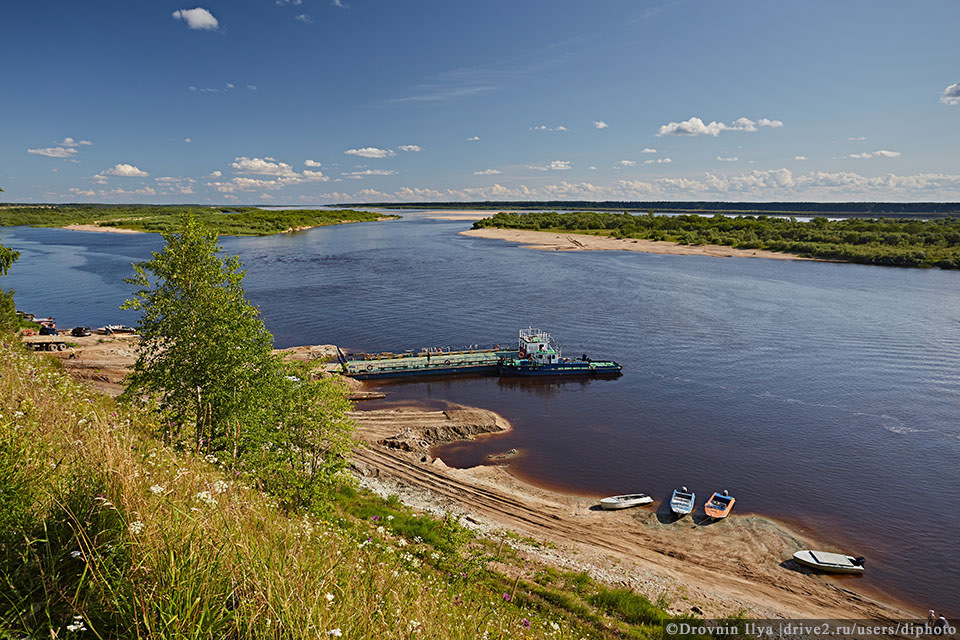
{"x":824,"y":394}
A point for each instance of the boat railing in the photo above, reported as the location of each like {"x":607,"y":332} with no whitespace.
{"x":433,"y":351}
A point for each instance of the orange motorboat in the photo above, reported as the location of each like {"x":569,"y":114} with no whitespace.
{"x":719,"y":505}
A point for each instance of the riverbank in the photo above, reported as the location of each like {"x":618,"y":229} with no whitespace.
{"x":550,"y":241}
{"x":736,"y":565}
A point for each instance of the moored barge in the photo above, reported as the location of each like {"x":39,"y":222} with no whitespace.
{"x":536,"y":354}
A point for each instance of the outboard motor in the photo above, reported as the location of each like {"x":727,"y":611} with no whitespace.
{"x":859,"y":560}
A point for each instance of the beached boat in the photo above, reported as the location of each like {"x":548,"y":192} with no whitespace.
{"x":681,"y":503}
{"x":830,"y":562}
{"x":625,"y":501}
{"x":539,"y":355}
{"x":719,"y":505}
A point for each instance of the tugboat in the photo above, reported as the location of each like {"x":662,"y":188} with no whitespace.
{"x":539,"y":355}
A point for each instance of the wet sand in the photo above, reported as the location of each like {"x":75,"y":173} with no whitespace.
{"x":549,"y":241}
{"x":740,"y":564}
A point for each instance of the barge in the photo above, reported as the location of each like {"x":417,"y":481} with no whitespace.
{"x":536,"y":354}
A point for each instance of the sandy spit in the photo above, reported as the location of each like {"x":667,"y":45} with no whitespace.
{"x":96,"y":227}
{"x":545,"y":240}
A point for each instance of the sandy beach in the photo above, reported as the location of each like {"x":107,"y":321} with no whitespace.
{"x":549,"y":241}
{"x":97,"y":227}
{"x":740,"y":564}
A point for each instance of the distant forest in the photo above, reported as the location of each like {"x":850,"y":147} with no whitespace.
{"x":845,"y":209}
{"x":905,"y":242}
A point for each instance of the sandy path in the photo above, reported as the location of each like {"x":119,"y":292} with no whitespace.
{"x":549,"y":241}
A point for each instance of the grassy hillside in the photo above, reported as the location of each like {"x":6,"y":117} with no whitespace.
{"x":105,"y":532}
{"x":235,"y":221}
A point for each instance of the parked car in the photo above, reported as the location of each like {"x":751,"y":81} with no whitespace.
{"x":79,"y":332}
{"x":48,"y":331}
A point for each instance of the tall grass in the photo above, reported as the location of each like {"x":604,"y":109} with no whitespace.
{"x":106,"y":533}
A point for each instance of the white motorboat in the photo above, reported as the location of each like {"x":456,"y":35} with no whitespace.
{"x":625,"y":501}
{"x":829,"y":562}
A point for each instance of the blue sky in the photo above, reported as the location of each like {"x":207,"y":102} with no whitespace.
{"x":325,"y":101}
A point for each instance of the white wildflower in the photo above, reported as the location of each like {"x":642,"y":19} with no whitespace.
{"x":329,"y":597}
{"x":76,"y":554}
{"x":136,"y":527}
{"x":402,"y":542}
{"x":555,"y":626}
{"x":155,"y":489}
{"x":220,"y":486}
{"x":336,"y":633}
{"x":381,"y":530}
{"x":206,"y":498}
{"x":389,"y":517}
{"x":77,"y":624}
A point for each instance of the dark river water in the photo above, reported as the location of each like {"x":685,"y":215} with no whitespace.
{"x":824,"y":394}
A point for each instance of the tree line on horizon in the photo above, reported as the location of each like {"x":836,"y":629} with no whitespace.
{"x":875,"y":209}
{"x":878,"y":241}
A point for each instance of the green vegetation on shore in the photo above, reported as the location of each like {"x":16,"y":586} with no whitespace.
{"x":226,"y":221}
{"x":889,"y":242}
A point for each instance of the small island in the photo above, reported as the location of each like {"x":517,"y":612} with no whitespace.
{"x":226,"y":221}
{"x":878,"y":241}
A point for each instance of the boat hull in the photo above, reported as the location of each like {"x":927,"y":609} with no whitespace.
{"x":624,"y":502}
{"x":439,"y":371}
{"x":718,"y":506}
{"x":681,"y":503}
{"x":839,"y":563}
{"x":527,"y":368}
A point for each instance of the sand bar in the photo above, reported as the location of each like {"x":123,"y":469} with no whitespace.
{"x":549,"y":241}
{"x":96,"y":227}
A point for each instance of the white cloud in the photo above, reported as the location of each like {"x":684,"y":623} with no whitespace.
{"x":311,"y":163}
{"x":284,"y":3}
{"x":951,"y":95}
{"x":262,"y":166}
{"x":627,"y":163}
{"x":696,"y":127}
{"x":338,"y":3}
{"x":799,"y":157}
{"x":727,"y":158}
{"x":215,"y":174}
{"x":188,"y":140}
{"x":357,"y":175}
{"x":648,"y":150}
{"x":124,"y":170}
{"x":197,"y":18}
{"x":314,"y":176}
{"x":370,"y":152}
{"x":658,"y":161}
{"x":251,"y":87}
{"x":882,"y":153}
{"x":487,"y":172}
{"x":543,"y":127}
{"x":860,"y":139}
{"x":592,"y":168}
{"x":409,"y":147}
{"x":600,"y":124}
{"x":70,"y":142}
{"x":230,"y":85}
{"x":473,"y":139}
{"x":304,"y":18}
{"x":53,"y":152}
{"x":555,"y":165}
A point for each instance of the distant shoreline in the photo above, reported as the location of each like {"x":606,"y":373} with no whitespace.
{"x":551,"y":241}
